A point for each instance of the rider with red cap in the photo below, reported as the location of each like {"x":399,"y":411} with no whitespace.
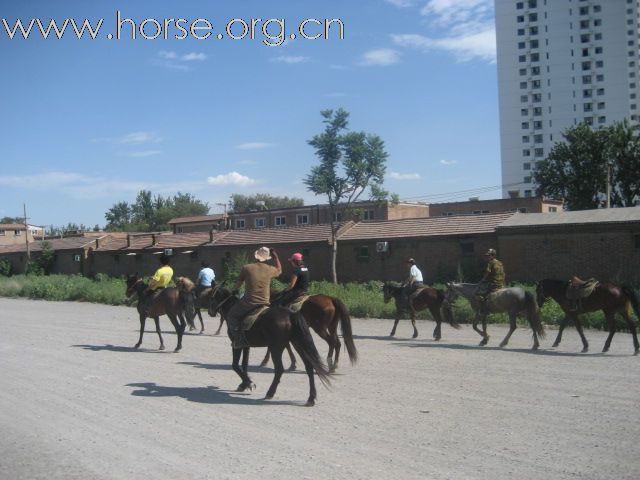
{"x":298,"y":284}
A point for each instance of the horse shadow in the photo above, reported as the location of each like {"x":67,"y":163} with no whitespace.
{"x":210,"y":395}
{"x":541,"y":352}
{"x":227,"y":366}
{"x":119,"y":348}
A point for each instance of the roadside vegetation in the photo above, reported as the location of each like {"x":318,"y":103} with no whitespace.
{"x":364,"y":300}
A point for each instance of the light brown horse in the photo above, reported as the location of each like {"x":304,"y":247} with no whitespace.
{"x":428,"y":298}
{"x":609,"y":298}
{"x":323,"y":313}
{"x":170,"y":302}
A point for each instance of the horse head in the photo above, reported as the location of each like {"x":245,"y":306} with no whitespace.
{"x":220,"y":295}
{"x":390,"y":290}
{"x":132,"y":281}
{"x":450,"y":294}
{"x":540,"y":295}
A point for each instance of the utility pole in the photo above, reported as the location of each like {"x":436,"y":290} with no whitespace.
{"x":608,"y":184}
{"x":26,"y":237}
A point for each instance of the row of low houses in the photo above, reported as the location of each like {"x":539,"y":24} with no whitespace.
{"x":599,"y":243}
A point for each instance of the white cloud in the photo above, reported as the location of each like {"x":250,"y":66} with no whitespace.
{"x":404,"y":176}
{"x":190,"y":57}
{"x":144,"y":153}
{"x":231,"y":178}
{"x":290,"y":59}
{"x":171,"y":59}
{"x":335,"y":95}
{"x":402,"y":3}
{"x":382,"y":57}
{"x":464,"y":28}
{"x":137,"y":138}
{"x":255,"y":146}
{"x":448,"y":162}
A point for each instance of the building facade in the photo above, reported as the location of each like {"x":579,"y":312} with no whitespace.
{"x":560,"y":63}
{"x":483,"y":207}
{"x":15,"y":233}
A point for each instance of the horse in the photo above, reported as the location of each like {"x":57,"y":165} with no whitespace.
{"x":170,"y":301}
{"x":609,"y":298}
{"x":512,"y":300}
{"x":323,"y":313}
{"x":274,"y":329}
{"x":187,"y":285}
{"x":427,"y":297}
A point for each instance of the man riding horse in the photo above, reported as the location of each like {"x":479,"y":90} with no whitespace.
{"x":256,"y":278}
{"x":298,"y":283}
{"x":160,"y":280}
{"x":413,"y":284}
{"x":492,"y":280}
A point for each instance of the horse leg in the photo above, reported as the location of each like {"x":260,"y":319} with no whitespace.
{"x":512,"y":328}
{"x":437,"y":332}
{"x":179,"y":327}
{"x":157,"y":320}
{"x":292,"y":357}
{"x":585,"y":344}
{"x":143,"y":319}
{"x":413,"y":323}
{"x":485,"y":337}
{"x":611,"y":321}
{"x":276,"y":355}
{"x":632,"y":328}
{"x":220,"y":326}
{"x":312,"y":384}
{"x":266,"y":358}
{"x":395,"y":324}
{"x":200,"y":318}
{"x":563,"y":324}
{"x":242,"y":371}
{"x":333,"y":346}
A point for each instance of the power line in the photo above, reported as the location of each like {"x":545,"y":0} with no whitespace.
{"x":450,"y":196}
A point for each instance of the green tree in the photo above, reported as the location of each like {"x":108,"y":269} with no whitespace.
{"x":118,"y":217}
{"x":576,"y":168}
{"x":350,"y":163}
{"x":245,"y":203}
{"x":19,"y":220}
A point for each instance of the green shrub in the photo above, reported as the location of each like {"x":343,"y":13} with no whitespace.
{"x":5,"y":267}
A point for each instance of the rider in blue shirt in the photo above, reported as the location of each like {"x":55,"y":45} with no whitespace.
{"x":206,"y":278}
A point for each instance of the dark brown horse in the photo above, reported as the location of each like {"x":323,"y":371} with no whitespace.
{"x":170,"y":302}
{"x":323,"y":313}
{"x":274,"y":329}
{"x":609,"y":298}
{"x":430,"y":298}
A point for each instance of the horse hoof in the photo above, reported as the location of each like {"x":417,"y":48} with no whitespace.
{"x":292,"y":368}
{"x":177,"y":350}
{"x":502,"y":344}
{"x":586,"y":349}
{"x":535,"y":347}
{"x":437,"y":338}
{"x":137,"y":345}
{"x":555,"y":345}
{"x":637,"y":351}
{"x":161,"y":347}
{"x":415,"y":335}
{"x":310,"y":403}
{"x":268,"y":397}
{"x":605,"y":349}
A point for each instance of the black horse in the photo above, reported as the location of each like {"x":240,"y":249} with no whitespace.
{"x":170,"y":302}
{"x":609,"y":298}
{"x":274,"y":329}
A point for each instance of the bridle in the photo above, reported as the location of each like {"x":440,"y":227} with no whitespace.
{"x":219,"y":305}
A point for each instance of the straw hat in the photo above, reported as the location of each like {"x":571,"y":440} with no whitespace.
{"x":262,"y":254}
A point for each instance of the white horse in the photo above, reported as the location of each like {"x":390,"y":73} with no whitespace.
{"x":513,"y":301}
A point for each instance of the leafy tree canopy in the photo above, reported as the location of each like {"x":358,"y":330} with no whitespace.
{"x":245,"y":203}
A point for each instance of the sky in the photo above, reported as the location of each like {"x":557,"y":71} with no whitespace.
{"x":88,"y":123}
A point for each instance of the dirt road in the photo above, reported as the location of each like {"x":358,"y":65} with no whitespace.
{"x":77,"y":402}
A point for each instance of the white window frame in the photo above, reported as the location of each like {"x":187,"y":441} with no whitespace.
{"x":260,"y":222}
{"x":368,"y":215}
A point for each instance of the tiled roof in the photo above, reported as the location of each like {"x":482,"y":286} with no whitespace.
{"x":267,"y":236}
{"x":11,"y":226}
{"x":70,"y":243}
{"x":199,"y":218}
{"x":583,"y":217}
{"x":164,"y":240}
{"x":426,"y":227}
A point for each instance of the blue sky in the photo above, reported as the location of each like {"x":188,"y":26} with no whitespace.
{"x":86,"y":123}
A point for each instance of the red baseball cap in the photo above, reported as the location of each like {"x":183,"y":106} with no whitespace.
{"x":296,"y":257}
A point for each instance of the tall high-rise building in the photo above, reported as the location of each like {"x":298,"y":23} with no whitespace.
{"x":561,"y":62}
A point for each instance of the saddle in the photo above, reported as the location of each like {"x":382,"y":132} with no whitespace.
{"x":250,"y":318}
{"x":296,"y":305}
{"x":205,"y":293}
{"x":579,"y":288}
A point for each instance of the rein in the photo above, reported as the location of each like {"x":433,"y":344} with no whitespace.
{"x":219,"y":305}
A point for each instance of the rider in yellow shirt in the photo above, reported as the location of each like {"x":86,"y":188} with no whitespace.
{"x":160,"y":280}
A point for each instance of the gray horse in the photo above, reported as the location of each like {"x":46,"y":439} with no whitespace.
{"x":513,"y":301}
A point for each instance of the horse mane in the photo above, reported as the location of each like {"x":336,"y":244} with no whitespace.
{"x":185,"y":284}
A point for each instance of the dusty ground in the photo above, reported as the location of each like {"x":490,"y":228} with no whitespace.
{"x":76,"y":402}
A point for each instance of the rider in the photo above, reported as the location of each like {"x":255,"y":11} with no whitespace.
{"x":257,"y":282}
{"x":160,"y":280}
{"x":206,"y":278}
{"x":298,"y":284}
{"x":492,"y":280}
{"x":413,"y":283}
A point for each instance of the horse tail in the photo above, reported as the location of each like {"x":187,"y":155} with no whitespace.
{"x":347,"y":333}
{"x":533,"y":314}
{"x":188,"y":306}
{"x":447,"y":313}
{"x":303,"y":343}
{"x":633,"y":299}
